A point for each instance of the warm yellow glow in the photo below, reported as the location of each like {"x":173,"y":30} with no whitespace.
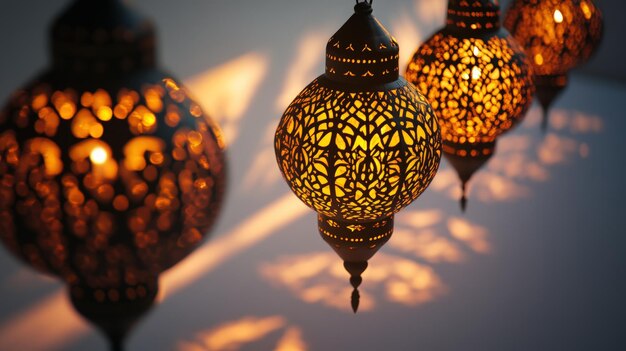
{"x":558,"y":16}
{"x":538,"y":59}
{"x":98,"y":155}
{"x":478,"y":87}
{"x":50,"y":152}
{"x":586,"y":10}
{"x":475,"y":73}
{"x":134,"y":150}
{"x":291,"y":341}
{"x":355,"y":172}
{"x":565,"y":33}
{"x":104,"y":113}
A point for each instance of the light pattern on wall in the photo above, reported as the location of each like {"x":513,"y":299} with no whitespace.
{"x":246,"y":332}
{"x":524,"y":158}
{"x":318,"y":278}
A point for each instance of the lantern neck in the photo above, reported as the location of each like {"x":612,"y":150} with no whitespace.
{"x":475,"y":16}
{"x":362,"y":52}
{"x":101,"y":37}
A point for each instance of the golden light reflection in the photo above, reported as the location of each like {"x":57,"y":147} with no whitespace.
{"x":291,"y":341}
{"x":473,"y":235}
{"x":230,"y":89}
{"x":245,"y":332}
{"x":230,"y":336}
{"x":320,"y":278}
{"x":432,"y":237}
{"x":523,"y":158}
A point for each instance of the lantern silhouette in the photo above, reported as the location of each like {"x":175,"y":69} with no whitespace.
{"x":557,"y":35}
{"x":477,"y":79}
{"x":109,"y":173}
{"x":359,"y":143}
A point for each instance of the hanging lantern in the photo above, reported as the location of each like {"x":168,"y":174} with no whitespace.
{"x":477,"y":79}
{"x":557,"y":35}
{"x":109,"y":173}
{"x":359,"y":143}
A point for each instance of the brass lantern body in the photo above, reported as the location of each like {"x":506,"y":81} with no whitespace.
{"x":475,"y":75}
{"x":109,"y":172}
{"x":359,"y":143}
{"x":557,"y":36}
{"x":478,"y":80}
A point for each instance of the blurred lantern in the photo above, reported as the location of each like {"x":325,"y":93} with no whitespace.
{"x":477,"y":79}
{"x":557,"y":35}
{"x":109,"y":173}
{"x":359,"y":143}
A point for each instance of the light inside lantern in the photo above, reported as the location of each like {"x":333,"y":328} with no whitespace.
{"x":558,"y":16}
{"x":477,"y":79}
{"x":359,"y":143}
{"x":98,"y":155}
{"x":109,"y":172}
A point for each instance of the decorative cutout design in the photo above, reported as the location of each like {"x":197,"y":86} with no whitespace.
{"x":102,"y":186}
{"x":358,"y":156}
{"x":557,"y":35}
{"x":478,"y":88}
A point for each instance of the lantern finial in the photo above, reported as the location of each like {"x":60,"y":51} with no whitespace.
{"x":355,"y":269}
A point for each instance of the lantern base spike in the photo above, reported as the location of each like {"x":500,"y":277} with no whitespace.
{"x":463,"y":201}
{"x":548,"y":89}
{"x":355,"y":269}
{"x":467,"y":159}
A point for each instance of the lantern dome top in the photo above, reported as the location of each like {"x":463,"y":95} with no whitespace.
{"x":102,"y":37}
{"x":362,"y":51}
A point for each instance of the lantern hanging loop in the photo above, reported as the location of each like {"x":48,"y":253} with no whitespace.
{"x":365,"y":2}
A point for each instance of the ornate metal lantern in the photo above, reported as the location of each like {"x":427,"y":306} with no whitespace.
{"x":109,"y":173}
{"x":359,"y":143}
{"x":557,"y":35}
{"x":477,"y":79}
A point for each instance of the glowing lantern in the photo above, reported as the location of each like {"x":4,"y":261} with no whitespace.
{"x":359,"y":143}
{"x":477,"y":79}
{"x":557,"y":35}
{"x":109,"y":173}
